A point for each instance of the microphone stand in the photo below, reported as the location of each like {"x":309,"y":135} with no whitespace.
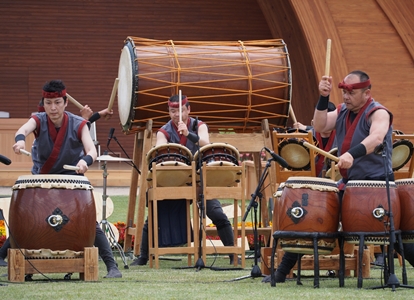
{"x":392,"y":281}
{"x":256,"y":272}
{"x":126,"y":154}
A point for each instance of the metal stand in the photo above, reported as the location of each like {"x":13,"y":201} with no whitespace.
{"x":105,"y":228}
{"x":256,"y":272}
{"x":392,"y":281}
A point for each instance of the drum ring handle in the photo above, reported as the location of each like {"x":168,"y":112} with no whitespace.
{"x":297,"y":212}
{"x":378,"y":212}
{"x":55,"y":220}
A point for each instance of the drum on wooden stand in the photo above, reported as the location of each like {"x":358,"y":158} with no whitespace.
{"x":222,"y":155}
{"x":55,"y":212}
{"x":405,"y":189}
{"x":365,"y":208}
{"x":231,"y":84}
{"x":294,"y":151}
{"x":170,"y":154}
{"x":309,"y":204}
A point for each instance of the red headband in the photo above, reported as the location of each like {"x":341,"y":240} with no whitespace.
{"x":54,"y":94}
{"x":176,"y":104}
{"x":354,"y":86}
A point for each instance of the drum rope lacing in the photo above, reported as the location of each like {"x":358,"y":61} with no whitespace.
{"x":75,"y":183}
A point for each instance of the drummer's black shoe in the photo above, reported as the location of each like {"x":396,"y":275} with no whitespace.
{"x":113,"y":273}
{"x":278,"y":276}
{"x":140,"y":261}
{"x":2,"y":262}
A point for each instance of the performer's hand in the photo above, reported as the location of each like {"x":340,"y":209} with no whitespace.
{"x":299,"y":125}
{"x":182,"y":128}
{"x":86,"y":112}
{"x":106,"y":113}
{"x":83,"y":167}
{"x":19,"y":145}
{"x":345,"y":161}
{"x":325,"y":86}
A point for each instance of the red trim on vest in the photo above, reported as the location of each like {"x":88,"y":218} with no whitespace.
{"x":350,"y":129}
{"x":167,"y":136}
{"x":57,"y":138}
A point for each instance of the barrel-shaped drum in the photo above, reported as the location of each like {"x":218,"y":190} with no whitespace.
{"x":55,"y":212}
{"x":365,"y":209}
{"x":230,"y":84}
{"x":309,"y":204}
{"x":405,"y":189}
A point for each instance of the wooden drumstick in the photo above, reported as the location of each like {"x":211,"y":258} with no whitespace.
{"x":69,"y":167}
{"x":320,"y":151}
{"x":179,"y":108}
{"x":292,"y":114}
{"x":114,"y":90}
{"x":71,"y":99}
{"x":328,"y":57}
{"x":22,"y":151}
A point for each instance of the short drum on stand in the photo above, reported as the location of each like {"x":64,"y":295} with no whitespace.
{"x":170,"y":154}
{"x":405,"y":189}
{"x":219,"y":155}
{"x":55,"y":212}
{"x":308,"y":204}
{"x":365,"y":208}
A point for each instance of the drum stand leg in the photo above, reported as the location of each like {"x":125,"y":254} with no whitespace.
{"x":105,"y":228}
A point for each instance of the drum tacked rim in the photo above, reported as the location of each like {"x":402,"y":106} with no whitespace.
{"x":177,"y":153}
{"x":370,"y":184}
{"x":402,"y":150}
{"x":70,"y":182}
{"x":313,"y":183}
{"x":230,"y":153}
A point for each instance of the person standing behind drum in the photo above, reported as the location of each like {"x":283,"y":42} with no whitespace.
{"x":188,"y":132}
{"x":362,"y":125}
{"x":63,"y":137}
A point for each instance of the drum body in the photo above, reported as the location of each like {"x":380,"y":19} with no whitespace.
{"x":230,"y":84}
{"x":170,"y":154}
{"x":364,"y":205}
{"x":55,"y":212}
{"x":220,"y":155}
{"x":405,"y":189}
{"x":309,"y":204}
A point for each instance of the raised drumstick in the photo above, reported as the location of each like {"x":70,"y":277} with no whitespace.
{"x":292,"y":114}
{"x":180,"y":108}
{"x":328,"y":57}
{"x":114,"y":90}
{"x":71,"y":99}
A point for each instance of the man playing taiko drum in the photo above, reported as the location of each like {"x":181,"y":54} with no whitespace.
{"x":361,"y":125}
{"x":186,"y":132}
{"x":57,"y":130}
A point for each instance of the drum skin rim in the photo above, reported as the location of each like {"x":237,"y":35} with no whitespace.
{"x":395,"y":146}
{"x":212,"y":145}
{"x":126,"y":119}
{"x":172,"y":145}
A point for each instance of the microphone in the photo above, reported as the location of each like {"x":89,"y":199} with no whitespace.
{"x":5,"y":160}
{"x":195,"y":124}
{"x":277,"y":158}
{"x":110,"y":136}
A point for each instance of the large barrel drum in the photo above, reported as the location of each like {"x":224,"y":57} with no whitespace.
{"x":55,"y":212}
{"x":365,"y":209}
{"x":405,"y":189}
{"x":229,"y":84}
{"x":309,"y":204}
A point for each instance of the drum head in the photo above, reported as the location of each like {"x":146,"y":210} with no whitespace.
{"x":217,"y":152}
{"x":402,"y":150}
{"x":295,"y":154}
{"x":171,"y":178}
{"x":126,"y":86}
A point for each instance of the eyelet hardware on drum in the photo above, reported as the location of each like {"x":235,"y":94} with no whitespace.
{"x":296,"y":212}
{"x":378,"y":212}
{"x":57,"y":219}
